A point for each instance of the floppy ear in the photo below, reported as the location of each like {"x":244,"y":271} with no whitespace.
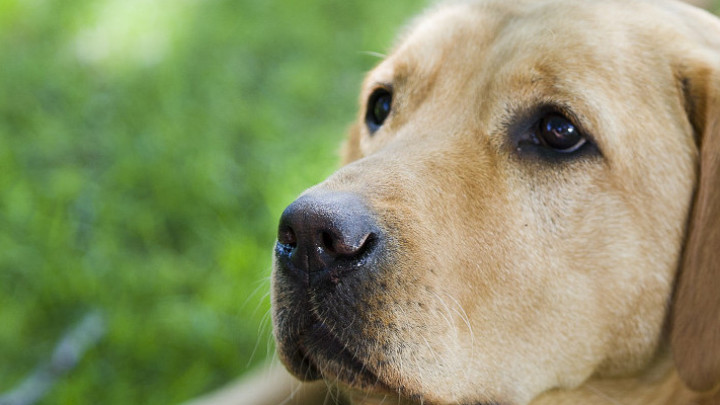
{"x":695,"y":312}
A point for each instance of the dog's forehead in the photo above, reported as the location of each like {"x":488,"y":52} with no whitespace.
{"x":466,"y":31}
{"x":597,"y":57}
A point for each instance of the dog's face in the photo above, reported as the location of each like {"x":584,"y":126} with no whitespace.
{"x":513,"y":208}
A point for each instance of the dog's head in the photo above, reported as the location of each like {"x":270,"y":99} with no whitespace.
{"x":515,"y":206}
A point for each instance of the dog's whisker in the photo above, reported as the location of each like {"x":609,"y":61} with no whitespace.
{"x":328,"y":395}
{"x":334,"y":391}
{"x":262,"y":285}
{"x":375,"y":54}
{"x":450,"y":323}
{"x":602,"y":395}
{"x":463,"y":315}
{"x":292,"y":395}
{"x":262,"y":300}
{"x":433,"y":352}
{"x":264,"y":323}
{"x":270,"y":345}
{"x":331,"y":396}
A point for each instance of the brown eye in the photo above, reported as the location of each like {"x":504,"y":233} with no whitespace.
{"x":557,"y":132}
{"x":378,"y":109}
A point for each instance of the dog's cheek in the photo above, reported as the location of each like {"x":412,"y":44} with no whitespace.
{"x":609,"y":271}
{"x":444,"y":278}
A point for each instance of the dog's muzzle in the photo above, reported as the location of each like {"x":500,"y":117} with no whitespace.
{"x":328,"y":257}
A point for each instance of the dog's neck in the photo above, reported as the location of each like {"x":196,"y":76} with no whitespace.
{"x":658,"y":385}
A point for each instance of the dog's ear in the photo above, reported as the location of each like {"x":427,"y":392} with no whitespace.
{"x":695,"y":312}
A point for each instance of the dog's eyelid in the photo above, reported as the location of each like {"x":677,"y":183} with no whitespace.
{"x":378,"y":85}
{"x":382,"y":84}
{"x":576,"y":119}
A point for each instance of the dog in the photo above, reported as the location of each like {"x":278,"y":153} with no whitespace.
{"x":528,"y":213}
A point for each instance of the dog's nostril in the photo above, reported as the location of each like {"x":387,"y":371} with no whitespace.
{"x":346,"y":246}
{"x":328,"y":242}
{"x":286,"y":236}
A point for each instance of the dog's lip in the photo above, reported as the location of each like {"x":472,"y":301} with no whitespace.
{"x":316,"y":352}
{"x":327,"y":353}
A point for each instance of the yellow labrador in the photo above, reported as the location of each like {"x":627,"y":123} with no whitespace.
{"x":529,"y":213}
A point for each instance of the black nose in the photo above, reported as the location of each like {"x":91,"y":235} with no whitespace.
{"x":325,"y":236}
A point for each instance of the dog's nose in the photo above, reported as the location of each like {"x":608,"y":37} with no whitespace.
{"x":324,"y":236}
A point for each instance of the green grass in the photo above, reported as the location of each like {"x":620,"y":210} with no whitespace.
{"x":147,"y":149}
{"x":146,"y":152}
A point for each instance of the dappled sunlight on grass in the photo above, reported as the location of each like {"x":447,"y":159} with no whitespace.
{"x":128,"y":32}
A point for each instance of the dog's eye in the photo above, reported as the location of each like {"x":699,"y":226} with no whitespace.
{"x":558,"y":133}
{"x":378,"y":108}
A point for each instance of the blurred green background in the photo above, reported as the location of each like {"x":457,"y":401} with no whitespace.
{"x":147,"y":148}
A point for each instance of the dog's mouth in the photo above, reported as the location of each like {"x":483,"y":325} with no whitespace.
{"x":317,"y":352}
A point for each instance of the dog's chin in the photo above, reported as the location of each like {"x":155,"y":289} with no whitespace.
{"x":316,"y":353}
{"x":363,"y":370}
